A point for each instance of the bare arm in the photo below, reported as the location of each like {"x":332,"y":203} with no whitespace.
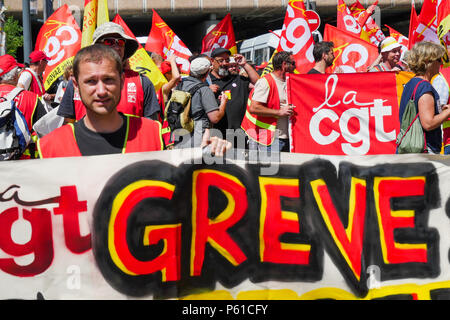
{"x":260,"y":109}
{"x":242,"y":62}
{"x":427,"y":117}
{"x":167,"y":87}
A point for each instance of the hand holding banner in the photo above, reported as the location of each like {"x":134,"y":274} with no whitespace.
{"x":60,"y":39}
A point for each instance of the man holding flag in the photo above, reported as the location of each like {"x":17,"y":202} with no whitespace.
{"x":138,"y":93}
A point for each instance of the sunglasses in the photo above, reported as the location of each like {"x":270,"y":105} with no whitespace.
{"x":113,"y":41}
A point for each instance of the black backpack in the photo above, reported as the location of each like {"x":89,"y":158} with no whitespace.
{"x":178,"y":109}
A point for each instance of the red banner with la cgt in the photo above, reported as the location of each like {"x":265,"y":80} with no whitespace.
{"x":352,"y":53}
{"x":344,"y":114}
{"x":60,"y":39}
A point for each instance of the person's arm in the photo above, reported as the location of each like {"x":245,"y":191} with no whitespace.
{"x":167,"y":87}
{"x":24,"y":80}
{"x":215,"y":115}
{"x":151,"y":105}
{"x":242,"y":62}
{"x":428,"y":119}
{"x":260,"y":109}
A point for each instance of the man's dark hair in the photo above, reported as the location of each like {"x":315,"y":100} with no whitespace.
{"x":96,"y":53}
{"x":320,"y":48}
{"x":279,"y":58}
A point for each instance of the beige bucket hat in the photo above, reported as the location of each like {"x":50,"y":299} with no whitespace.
{"x":110,"y":29}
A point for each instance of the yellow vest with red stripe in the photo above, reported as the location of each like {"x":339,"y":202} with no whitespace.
{"x":445,"y":72}
{"x":258,"y":128}
{"x":142,"y":135}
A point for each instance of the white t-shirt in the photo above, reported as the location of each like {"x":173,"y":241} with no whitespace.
{"x":26,"y":78}
{"x":261,"y":94}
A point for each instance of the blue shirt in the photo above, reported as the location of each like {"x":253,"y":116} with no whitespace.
{"x":433,"y":137}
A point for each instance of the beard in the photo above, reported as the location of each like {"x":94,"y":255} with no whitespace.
{"x":223,"y":72}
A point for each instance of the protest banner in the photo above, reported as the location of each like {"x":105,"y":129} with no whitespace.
{"x":221,"y":36}
{"x":443,"y":31}
{"x":352,"y":54}
{"x":162,"y":225}
{"x":370,"y":26}
{"x":345,"y":114}
{"x":89,"y":22}
{"x":140,"y":61}
{"x":296,"y":36}
{"x":165,"y":42}
{"x":346,"y":21}
{"x":60,"y":39}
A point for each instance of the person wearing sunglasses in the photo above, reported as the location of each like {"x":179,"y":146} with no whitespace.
{"x":266,"y":120}
{"x":138,"y":96}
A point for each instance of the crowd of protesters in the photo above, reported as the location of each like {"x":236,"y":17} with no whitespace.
{"x":101,"y":106}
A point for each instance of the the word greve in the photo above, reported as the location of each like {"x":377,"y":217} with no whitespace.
{"x":357,"y":143}
{"x":40,"y":236}
{"x":220,"y":223}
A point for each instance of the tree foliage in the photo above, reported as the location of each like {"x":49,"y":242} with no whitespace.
{"x":14,"y":35}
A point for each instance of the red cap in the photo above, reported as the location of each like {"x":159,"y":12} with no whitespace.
{"x":37,"y":55}
{"x":165,"y":67}
{"x":7,"y":63}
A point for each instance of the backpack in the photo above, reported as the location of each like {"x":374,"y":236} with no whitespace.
{"x":14,"y":133}
{"x":178,"y":109}
{"x":411,"y":138}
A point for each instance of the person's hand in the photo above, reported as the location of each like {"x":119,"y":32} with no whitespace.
{"x":240,"y":59}
{"x":223,"y":97}
{"x":47,"y":97}
{"x":214,"y":88}
{"x":217,"y":146}
{"x":171,"y":58}
{"x":286,"y":110}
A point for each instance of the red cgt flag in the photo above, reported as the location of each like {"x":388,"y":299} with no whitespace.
{"x":413,"y":22}
{"x":221,"y":36}
{"x":426,"y":27}
{"x":165,"y":42}
{"x":60,"y":39}
{"x":352,"y":53}
{"x":443,"y":20}
{"x":370,"y":26}
{"x":296,"y":36}
{"x":344,"y":114}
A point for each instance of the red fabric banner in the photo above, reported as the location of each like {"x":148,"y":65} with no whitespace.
{"x":413,"y":22}
{"x":352,"y":53}
{"x":221,"y":36}
{"x":426,"y":27}
{"x":346,"y":21}
{"x":165,"y":42}
{"x":60,"y":39}
{"x":344,"y":114}
{"x":296,"y":36}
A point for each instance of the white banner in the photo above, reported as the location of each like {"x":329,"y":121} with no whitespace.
{"x":164,"y":225}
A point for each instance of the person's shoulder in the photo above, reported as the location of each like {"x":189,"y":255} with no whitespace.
{"x":57,"y":132}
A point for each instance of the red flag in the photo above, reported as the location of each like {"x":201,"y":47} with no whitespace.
{"x":346,"y":21}
{"x":443,"y":20}
{"x":426,"y":29}
{"x":165,"y":42}
{"x":413,"y":23}
{"x":362,"y":18}
{"x":352,"y":53}
{"x":296,"y":36}
{"x":370,"y":27}
{"x":344,"y":114}
{"x":221,"y":36}
{"x":60,"y":39}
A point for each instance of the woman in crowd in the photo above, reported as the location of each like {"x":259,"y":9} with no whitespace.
{"x":425,"y":60}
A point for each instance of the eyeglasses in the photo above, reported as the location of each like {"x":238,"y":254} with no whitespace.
{"x":113,"y":41}
{"x":221,"y":60}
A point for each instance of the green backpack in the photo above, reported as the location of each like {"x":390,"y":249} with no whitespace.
{"x":411,"y":138}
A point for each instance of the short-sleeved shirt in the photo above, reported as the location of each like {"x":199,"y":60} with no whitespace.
{"x":314,"y":71}
{"x":261,"y":94}
{"x":433,"y":137}
{"x":236,"y":87}
{"x":151,"y":106}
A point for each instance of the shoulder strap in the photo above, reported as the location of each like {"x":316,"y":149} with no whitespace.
{"x":196,"y":87}
{"x":13,"y":93}
{"x":413,"y":96}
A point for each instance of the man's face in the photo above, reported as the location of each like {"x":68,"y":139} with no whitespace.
{"x":329,"y":58}
{"x":289,"y":65}
{"x":116,"y":42}
{"x":220,"y":64}
{"x":393,"y":57}
{"x":99,"y":85}
{"x":42,"y":66}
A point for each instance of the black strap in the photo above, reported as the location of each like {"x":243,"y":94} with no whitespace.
{"x":194,"y":89}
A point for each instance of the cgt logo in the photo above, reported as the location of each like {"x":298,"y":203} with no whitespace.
{"x":55,"y":48}
{"x":354,"y":124}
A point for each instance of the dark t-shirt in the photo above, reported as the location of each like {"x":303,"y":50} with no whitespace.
{"x":151,"y":106}
{"x":433,"y":137}
{"x":93,"y":143}
{"x":313,"y":71}
{"x":236,"y":87}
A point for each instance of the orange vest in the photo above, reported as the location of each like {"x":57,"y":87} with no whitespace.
{"x":259,"y":128}
{"x":131,"y":100}
{"x":142,"y":135}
